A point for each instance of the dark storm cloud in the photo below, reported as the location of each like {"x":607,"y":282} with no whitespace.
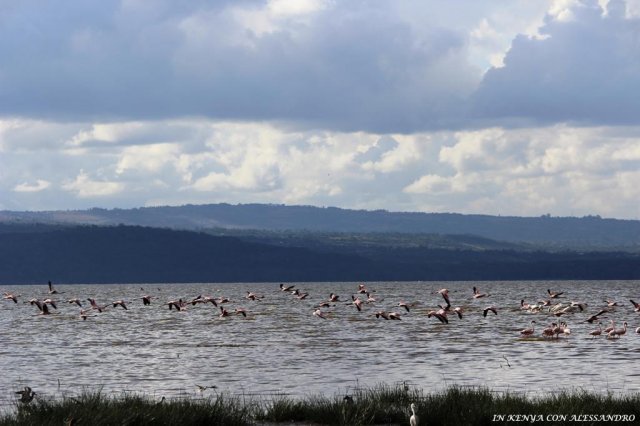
{"x":585,"y":70}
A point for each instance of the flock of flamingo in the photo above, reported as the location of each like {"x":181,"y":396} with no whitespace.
{"x":363,"y":297}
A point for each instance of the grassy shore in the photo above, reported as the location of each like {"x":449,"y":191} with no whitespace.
{"x":380,"y":405}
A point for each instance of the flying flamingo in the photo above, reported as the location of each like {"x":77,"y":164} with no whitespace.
{"x":489,"y":308}
{"x":357,"y":302}
{"x":318,"y":313}
{"x":553,"y":294}
{"x":477,"y":294}
{"x":635,"y":305}
{"x":119,"y":303}
{"x":11,"y":296}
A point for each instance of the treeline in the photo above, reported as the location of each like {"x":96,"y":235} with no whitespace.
{"x":133,"y":254}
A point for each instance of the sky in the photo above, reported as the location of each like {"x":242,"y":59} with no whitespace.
{"x":496,"y":107}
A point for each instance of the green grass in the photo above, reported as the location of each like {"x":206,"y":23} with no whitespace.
{"x":379,"y":405}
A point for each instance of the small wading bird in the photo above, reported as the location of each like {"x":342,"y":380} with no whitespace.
{"x":413,"y":420}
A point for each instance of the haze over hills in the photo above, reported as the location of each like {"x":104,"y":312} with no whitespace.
{"x":570,"y":232}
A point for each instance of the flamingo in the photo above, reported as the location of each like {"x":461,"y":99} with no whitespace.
{"x":382,"y":314}
{"x":618,"y":331}
{"x":404,"y":305}
{"x":362,"y":289}
{"x":318,"y":313}
{"x":489,"y":308}
{"x":445,"y":295}
{"x":597,"y":332}
{"x":549,"y":331}
{"x":51,"y":289}
{"x":94,"y":305}
{"x":83,"y":314}
{"x":76,"y":301}
{"x":252,"y":296}
{"x":146,"y":300}
{"x":593,"y":318}
{"x":458,"y":312}
{"x":553,"y":294}
{"x":370,"y":298}
{"x":611,"y":303}
{"x":413,"y":420}
{"x":357,"y":302}
{"x":635,"y":305}
{"x":286,"y":288}
{"x":528,"y":331}
{"x":334,"y":298}
{"x":11,"y":296}
{"x":611,"y":327}
{"x":394,"y":316}
{"x":178,"y":304}
{"x":52,"y":303}
{"x":477,"y":294}
{"x":223,"y":312}
{"x":241,"y":311}
{"x":440,"y":314}
{"x":120,"y":303}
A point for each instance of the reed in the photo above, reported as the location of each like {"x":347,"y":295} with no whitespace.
{"x":381,"y":404}
{"x":97,"y":409}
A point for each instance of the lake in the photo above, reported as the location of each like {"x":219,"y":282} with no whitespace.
{"x":281,"y":347}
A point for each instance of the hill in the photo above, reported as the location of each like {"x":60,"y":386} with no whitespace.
{"x":133,"y":254}
{"x":591,"y":232}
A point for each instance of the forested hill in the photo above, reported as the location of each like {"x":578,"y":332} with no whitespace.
{"x":590,"y":231}
{"x":132,"y":254}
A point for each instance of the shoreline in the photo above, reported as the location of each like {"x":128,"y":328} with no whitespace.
{"x":380,"y":404}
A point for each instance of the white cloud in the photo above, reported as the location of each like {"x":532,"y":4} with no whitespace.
{"x":38,"y":186}
{"x":86,"y":187}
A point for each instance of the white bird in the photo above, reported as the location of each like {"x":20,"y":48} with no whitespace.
{"x":413,"y":420}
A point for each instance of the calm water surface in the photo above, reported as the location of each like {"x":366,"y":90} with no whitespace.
{"x":280,"y":347}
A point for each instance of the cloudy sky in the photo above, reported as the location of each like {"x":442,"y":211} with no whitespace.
{"x":513,"y":107}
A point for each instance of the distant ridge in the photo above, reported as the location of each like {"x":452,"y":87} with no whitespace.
{"x":561,"y":231}
{"x":32,"y":254}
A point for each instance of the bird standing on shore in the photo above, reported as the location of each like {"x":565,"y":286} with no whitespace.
{"x":413,"y":420}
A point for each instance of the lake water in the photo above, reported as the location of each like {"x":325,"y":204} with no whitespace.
{"x":280,"y":347}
